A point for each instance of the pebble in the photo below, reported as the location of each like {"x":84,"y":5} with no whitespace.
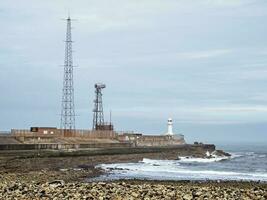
{"x":187,"y":197}
{"x":121,"y":190}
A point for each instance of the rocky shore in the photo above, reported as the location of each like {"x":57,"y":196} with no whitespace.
{"x":127,"y":190}
{"x":64,"y":177}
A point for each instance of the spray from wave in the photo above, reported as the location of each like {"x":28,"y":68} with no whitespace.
{"x":239,"y":166}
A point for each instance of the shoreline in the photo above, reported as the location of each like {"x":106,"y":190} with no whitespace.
{"x":82,"y":165}
{"x":102,"y":177}
{"x":48,"y":177}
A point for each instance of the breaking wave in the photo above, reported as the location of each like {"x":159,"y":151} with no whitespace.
{"x":202,"y":160}
{"x":159,"y":162}
{"x":237,"y":167}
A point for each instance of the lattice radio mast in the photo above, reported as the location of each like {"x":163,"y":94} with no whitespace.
{"x":67,"y":108}
{"x":98,"y":119}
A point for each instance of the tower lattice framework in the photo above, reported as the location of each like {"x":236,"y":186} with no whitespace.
{"x":98,"y":118}
{"x":67,"y":106}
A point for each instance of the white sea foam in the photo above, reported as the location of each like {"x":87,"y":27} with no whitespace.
{"x":236,"y":155}
{"x":190,"y":168}
{"x":159,"y":162}
{"x":142,"y":170}
{"x":250,"y":153}
{"x":202,"y":160}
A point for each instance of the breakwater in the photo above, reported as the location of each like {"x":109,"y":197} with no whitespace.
{"x":130,"y":153}
{"x":57,"y":146}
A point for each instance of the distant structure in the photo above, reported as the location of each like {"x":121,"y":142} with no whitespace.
{"x":67,"y":106}
{"x":170,"y":127}
{"x":98,"y":118}
{"x":170,"y":133}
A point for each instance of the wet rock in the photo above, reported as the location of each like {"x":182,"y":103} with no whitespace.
{"x":220,"y":153}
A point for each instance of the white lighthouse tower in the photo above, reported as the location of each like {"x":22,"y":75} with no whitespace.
{"x":170,"y":127}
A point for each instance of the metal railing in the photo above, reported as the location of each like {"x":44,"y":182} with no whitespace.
{"x":127,"y":132}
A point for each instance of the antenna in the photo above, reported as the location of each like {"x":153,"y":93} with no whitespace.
{"x":67,"y":121}
{"x":110,"y":117}
{"x":98,"y":119}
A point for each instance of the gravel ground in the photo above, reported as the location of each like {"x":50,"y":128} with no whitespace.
{"x":127,"y":190}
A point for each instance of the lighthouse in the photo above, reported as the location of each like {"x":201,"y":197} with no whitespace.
{"x":170,"y":127}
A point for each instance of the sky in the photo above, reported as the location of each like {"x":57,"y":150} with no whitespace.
{"x":202,"y":63}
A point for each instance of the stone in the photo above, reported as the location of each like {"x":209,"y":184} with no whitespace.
{"x":134,"y":194}
{"x":187,"y":197}
{"x":197,"y":193}
{"x":171,"y":194}
{"x":57,"y":183}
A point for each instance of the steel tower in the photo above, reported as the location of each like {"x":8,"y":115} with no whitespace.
{"x":67,"y":106}
{"x":98,"y":119}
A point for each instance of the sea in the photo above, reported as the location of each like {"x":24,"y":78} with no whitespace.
{"x":247,"y":163}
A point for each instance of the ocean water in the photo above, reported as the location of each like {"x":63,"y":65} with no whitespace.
{"x":248,"y":162}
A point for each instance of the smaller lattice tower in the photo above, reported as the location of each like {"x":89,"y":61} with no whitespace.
{"x":67,"y":104}
{"x":98,"y":119}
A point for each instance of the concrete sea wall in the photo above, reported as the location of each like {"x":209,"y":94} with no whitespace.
{"x":169,"y":152}
{"x":61,"y":146}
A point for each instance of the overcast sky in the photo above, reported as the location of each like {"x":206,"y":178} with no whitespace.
{"x":203,"y":63}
